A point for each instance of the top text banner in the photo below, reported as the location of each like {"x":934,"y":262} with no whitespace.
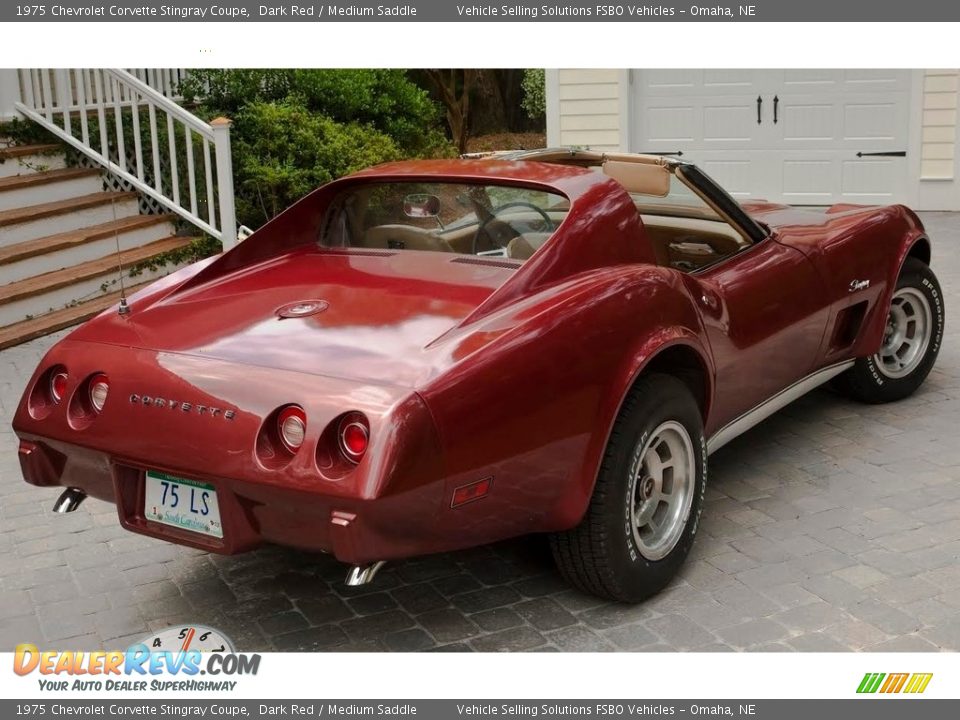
{"x":453,"y":11}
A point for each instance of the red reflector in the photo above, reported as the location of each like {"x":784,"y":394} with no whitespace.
{"x":58,"y":386}
{"x":468,"y":493}
{"x":354,"y":438}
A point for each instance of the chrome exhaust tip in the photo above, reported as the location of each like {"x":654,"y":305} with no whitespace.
{"x":69,"y":500}
{"x":363,"y":574}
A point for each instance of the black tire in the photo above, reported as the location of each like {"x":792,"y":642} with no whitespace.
{"x":867,"y":380}
{"x":601,"y":555}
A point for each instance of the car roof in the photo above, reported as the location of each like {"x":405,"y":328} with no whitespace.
{"x":562,"y":170}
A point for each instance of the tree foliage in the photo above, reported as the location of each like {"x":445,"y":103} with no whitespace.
{"x":297,"y":129}
{"x":534,"y":93}
{"x":282,"y":151}
{"x":386,"y":99}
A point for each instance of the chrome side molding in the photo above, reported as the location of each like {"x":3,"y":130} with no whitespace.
{"x":69,"y":500}
{"x":363,"y":574}
{"x":768,"y":407}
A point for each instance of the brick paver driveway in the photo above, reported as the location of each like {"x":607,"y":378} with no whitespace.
{"x":832,"y":526}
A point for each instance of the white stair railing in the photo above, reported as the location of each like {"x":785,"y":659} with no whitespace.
{"x":100,"y":111}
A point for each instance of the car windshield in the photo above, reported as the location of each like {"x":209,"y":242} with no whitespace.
{"x":494,"y":220}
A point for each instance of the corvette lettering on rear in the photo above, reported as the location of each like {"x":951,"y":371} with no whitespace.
{"x":186,"y":407}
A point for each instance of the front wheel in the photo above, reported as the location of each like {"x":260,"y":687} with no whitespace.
{"x":911,"y":340}
{"x":645,"y":508}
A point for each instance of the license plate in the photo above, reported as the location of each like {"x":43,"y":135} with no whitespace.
{"x":185,"y":504}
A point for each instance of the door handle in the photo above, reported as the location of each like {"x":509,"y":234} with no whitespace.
{"x":776,"y":102}
{"x":759,"y":111}
{"x":892,"y":153}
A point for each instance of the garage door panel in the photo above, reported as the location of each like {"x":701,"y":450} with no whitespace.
{"x":735,"y":176}
{"x":732,"y":79}
{"x":671,"y":124}
{"x":872,"y":80}
{"x":870,"y":121}
{"x":809,"y":156}
{"x":671,"y":80}
{"x":808,"y":122}
{"x":809,"y":182}
{"x":807,"y":80}
{"x":873,"y":180}
{"x":729,"y":123}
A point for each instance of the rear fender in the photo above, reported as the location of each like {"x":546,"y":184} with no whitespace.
{"x":533,"y":408}
{"x":637,"y":360}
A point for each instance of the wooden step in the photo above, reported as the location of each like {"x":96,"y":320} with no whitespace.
{"x":68,"y":276}
{"x":26,"y":330}
{"x":28,"y":159}
{"x":61,"y":241}
{"x":45,"y":177}
{"x":18,"y":151}
{"x":61,"y":207}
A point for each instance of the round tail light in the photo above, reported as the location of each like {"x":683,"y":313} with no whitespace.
{"x":354,"y":437}
{"x":99,"y":387}
{"x":58,"y":386}
{"x":292,"y":427}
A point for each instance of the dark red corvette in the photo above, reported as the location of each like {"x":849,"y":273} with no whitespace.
{"x":432,"y":355}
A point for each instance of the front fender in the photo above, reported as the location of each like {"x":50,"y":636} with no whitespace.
{"x":908,"y":238}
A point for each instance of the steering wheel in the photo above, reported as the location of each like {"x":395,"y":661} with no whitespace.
{"x":499,"y":232}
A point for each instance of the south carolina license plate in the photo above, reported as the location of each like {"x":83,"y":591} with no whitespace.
{"x":185,"y":504}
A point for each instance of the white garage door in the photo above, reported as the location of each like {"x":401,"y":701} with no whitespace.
{"x":805,"y":137}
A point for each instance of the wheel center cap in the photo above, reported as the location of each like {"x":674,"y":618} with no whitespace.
{"x":646,"y":488}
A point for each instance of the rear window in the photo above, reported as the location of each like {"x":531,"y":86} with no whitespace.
{"x":489,"y":220}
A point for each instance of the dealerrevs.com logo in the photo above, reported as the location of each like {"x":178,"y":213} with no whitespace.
{"x":893,"y":683}
{"x":173,"y":660}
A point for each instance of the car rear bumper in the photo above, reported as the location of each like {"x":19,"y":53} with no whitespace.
{"x":383,"y":508}
{"x":354,"y":530}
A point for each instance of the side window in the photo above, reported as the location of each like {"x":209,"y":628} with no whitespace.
{"x":685,"y":232}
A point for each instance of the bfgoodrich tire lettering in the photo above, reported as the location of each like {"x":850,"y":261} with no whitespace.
{"x":620,"y":550}
{"x":894,"y":373}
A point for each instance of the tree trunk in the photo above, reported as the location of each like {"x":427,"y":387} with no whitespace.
{"x":454,"y":87}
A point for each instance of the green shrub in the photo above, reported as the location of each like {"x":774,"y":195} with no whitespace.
{"x":534,"y":93}
{"x":383,"y":98}
{"x":282,"y":151}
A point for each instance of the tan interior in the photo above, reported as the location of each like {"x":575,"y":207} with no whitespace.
{"x":404,"y":237}
{"x":681,"y":243}
{"x":640,"y":178}
{"x":690,"y":244}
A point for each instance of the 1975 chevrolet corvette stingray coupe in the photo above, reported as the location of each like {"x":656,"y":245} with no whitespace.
{"x":432,"y":355}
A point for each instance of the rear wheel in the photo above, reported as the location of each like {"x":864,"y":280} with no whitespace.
{"x":911,"y":340}
{"x":645,"y":508}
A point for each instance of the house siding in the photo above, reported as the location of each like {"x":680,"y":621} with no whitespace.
{"x":587,"y":112}
{"x":939,"y":124}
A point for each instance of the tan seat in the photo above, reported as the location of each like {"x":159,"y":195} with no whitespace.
{"x":524,"y":246}
{"x":405,"y":237}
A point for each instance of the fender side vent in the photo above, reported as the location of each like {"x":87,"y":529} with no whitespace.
{"x":509,"y":264}
{"x":847,"y":327}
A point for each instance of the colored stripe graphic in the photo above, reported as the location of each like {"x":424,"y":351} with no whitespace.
{"x":918,"y":682}
{"x":893,"y":683}
{"x":870,"y":682}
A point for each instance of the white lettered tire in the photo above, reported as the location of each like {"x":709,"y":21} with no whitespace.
{"x":645,"y":509}
{"x":912,"y":339}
